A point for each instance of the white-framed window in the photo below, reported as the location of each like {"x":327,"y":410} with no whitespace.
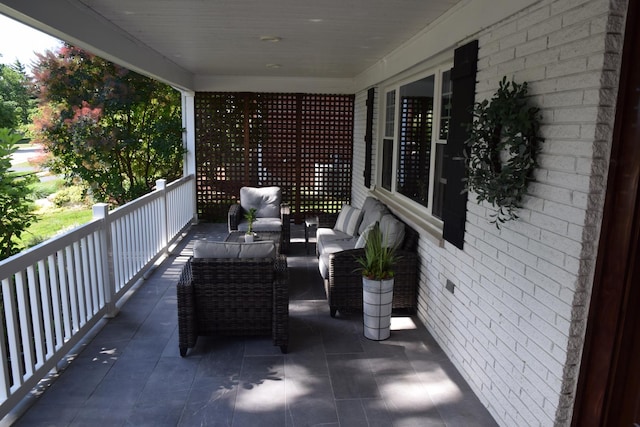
{"x":415,"y":129}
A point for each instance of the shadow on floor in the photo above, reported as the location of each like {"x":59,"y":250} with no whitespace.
{"x":131,"y":374}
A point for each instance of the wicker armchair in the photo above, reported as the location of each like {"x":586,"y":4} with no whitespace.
{"x":267,"y":201}
{"x":344,"y":285}
{"x":230,"y":296}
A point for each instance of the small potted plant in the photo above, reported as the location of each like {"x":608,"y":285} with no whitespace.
{"x":377,"y":285}
{"x":250,"y":216}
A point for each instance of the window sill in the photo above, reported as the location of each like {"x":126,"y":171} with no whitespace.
{"x":430,"y":228}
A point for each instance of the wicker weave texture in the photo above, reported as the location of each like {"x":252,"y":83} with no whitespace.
{"x":236,"y":214}
{"x":233,"y":297}
{"x":344,"y":286}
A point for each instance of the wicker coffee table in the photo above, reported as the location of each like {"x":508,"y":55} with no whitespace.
{"x":238,"y":237}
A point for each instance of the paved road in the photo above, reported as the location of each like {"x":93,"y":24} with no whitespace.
{"x":25,"y":154}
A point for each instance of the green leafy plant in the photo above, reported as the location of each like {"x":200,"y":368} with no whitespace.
{"x":17,"y":100}
{"x":16,"y":211}
{"x":42,"y":190}
{"x":502,"y":148}
{"x":52,"y":222}
{"x":379,"y":259}
{"x":70,"y":196}
{"x":251,"y":217}
{"x":114,"y":129}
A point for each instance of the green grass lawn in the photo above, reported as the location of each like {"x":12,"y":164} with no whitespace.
{"x":21,"y":166}
{"x":51,"y":222}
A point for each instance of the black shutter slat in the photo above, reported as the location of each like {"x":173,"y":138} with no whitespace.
{"x":368,"y":138}
{"x":463,"y":77}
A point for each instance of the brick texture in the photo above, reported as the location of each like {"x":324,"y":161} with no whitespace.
{"x":515,"y":325}
{"x":530,"y":270}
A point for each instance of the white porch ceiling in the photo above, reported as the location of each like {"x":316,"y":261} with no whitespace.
{"x":182,"y":40}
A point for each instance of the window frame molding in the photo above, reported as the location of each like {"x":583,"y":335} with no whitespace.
{"x":415,"y":214}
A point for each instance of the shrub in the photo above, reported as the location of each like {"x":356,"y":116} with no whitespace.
{"x":69,"y":196}
{"x":15,"y":210}
{"x":42,"y":190}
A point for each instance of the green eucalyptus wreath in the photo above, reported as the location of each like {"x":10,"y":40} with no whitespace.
{"x":501,"y":150}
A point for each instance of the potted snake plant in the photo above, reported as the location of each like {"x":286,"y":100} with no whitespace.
{"x":377,"y":285}
{"x":250,"y":216}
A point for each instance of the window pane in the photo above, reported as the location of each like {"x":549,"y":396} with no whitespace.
{"x":445,"y":105}
{"x":414,"y":153}
{"x":439,"y":182}
{"x":390,"y":114}
{"x":387,"y":163}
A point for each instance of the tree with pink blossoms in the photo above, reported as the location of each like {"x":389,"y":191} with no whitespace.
{"x":107,"y":127}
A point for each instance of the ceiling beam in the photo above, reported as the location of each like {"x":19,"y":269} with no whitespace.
{"x":84,"y":28}
{"x":273,"y":84}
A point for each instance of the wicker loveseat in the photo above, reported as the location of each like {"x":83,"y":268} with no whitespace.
{"x":340,"y":246}
{"x":272,"y":214}
{"x":233,"y":289}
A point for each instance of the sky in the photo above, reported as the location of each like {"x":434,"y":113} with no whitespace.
{"x":18,"y":41}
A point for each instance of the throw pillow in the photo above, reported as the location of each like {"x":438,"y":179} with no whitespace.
{"x":392,"y":230}
{"x":372,"y":211}
{"x":348,"y":220}
{"x":362,"y":240}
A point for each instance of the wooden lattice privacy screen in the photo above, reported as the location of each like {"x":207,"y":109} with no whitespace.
{"x":302,"y":143}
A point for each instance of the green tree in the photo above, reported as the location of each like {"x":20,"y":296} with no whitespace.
{"x":112,"y":128}
{"x":15,"y":210}
{"x":16,"y":96}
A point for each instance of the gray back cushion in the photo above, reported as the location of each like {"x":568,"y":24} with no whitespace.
{"x":392,"y":230}
{"x":266,"y":200}
{"x":203,"y":249}
{"x":348,"y":220}
{"x":372,"y":211}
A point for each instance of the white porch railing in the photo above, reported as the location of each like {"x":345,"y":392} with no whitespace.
{"x":54,"y":293}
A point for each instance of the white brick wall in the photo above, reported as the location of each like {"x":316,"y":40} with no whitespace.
{"x":515,"y":325}
{"x":530,"y":269}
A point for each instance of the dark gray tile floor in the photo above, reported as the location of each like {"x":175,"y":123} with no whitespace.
{"x":131,"y":373}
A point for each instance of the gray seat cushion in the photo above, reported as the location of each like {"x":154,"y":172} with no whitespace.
{"x":262,"y":224}
{"x":328,"y":236}
{"x":334,"y":240}
{"x":331,"y":241}
{"x":323,"y":266}
{"x":330,"y":248}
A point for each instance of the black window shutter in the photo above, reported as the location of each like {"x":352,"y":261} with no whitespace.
{"x":368,"y":138}
{"x":463,"y":78}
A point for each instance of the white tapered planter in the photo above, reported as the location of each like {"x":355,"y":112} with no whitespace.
{"x":377,"y":301}
{"x":248,"y":238}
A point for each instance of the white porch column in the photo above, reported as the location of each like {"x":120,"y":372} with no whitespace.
{"x":188,"y":133}
{"x":189,"y":142}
